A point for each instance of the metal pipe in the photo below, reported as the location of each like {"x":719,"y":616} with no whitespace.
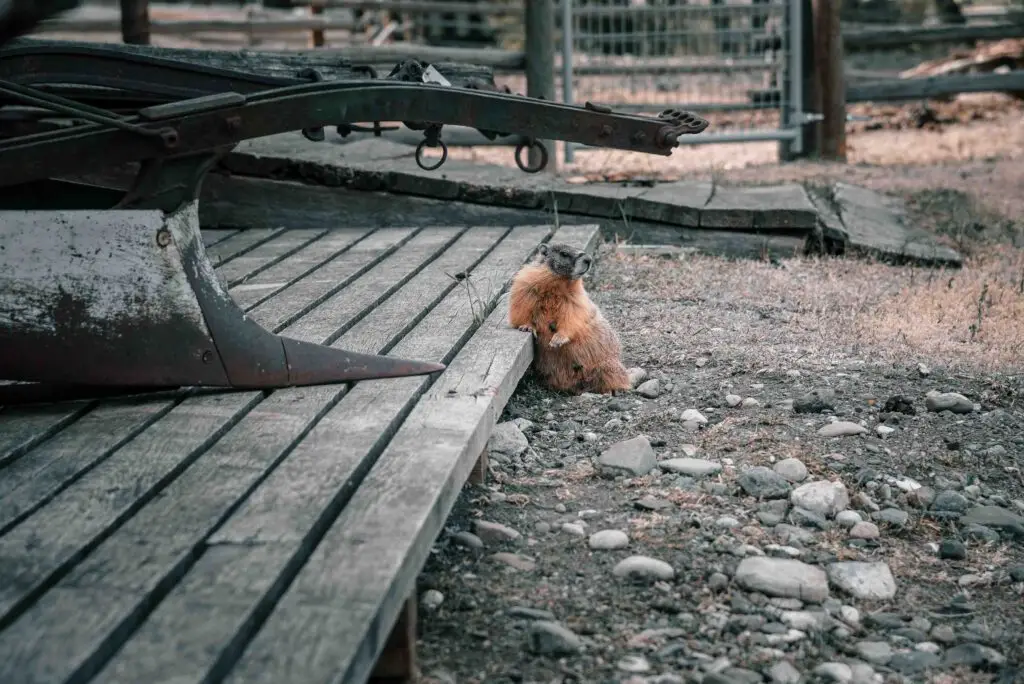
{"x":714,"y":138}
{"x":796,"y":74}
{"x":567,"y":66}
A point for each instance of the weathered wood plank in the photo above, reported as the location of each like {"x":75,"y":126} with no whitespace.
{"x":214,"y":235}
{"x":267,"y":254}
{"x":241,"y":242}
{"x":204,"y":622}
{"x":774,"y":207}
{"x":173,"y":527}
{"x":332,"y":276}
{"x":21,"y":429}
{"x":267,"y":283}
{"x":369,"y":558}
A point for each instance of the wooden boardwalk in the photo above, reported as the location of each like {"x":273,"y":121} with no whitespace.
{"x":204,"y":536}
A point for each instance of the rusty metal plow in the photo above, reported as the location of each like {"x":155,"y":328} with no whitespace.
{"x":104,"y":291}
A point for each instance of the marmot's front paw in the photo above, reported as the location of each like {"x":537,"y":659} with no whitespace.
{"x":557,"y":340}
{"x":528,"y":328}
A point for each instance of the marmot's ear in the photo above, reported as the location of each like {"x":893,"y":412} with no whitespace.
{"x":582,"y":265}
{"x":542,"y":249}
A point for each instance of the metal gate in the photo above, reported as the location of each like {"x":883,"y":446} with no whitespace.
{"x":737,"y":62}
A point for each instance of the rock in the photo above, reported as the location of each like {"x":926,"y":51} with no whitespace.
{"x":551,"y":638}
{"x":842,"y":428}
{"x":750,"y":402}
{"x":899,"y":404}
{"x":694,"y":467}
{"x":944,"y":634}
{"x":864,"y":530}
{"x":1016,"y":573}
{"x":726,"y":522}
{"x":692,"y":415}
{"x":636,"y":376}
{"x":876,"y":652}
{"x":793,"y":469}
{"x":973,"y":655}
{"x":575,"y":529}
{"x":644,"y":568}
{"x":862,"y":673}
{"x":606,"y":540}
{"x":848,"y":519}
{"x":815,"y":401}
{"x":822,"y":497}
{"x":892,"y":516}
{"x":652,"y":503}
{"x":884,"y":430}
{"x":717,"y":581}
{"x":783,"y":672}
{"x":468,"y":539}
{"x":864,"y":580}
{"x":923,"y":370}
{"x":763,"y":483}
{"x":493,"y":533}
{"x":948,"y":500}
{"x":650,"y":389}
{"x":630,"y":457}
{"x":952,"y":549}
{"x":948,"y":401}
{"x":922,"y":497}
{"x":431,"y":599}
{"x":733,"y":400}
{"x":995,"y":517}
{"x":633,"y":663}
{"x":784,"y":577}
{"x":508,"y":440}
{"x":514,"y":560}
{"x":913,"y":662}
{"x":528,"y":613}
{"x":840,"y":673}
{"x":807,"y":518}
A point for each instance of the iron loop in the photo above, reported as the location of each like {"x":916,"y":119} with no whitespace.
{"x":424,"y":144}
{"x":529,"y":144}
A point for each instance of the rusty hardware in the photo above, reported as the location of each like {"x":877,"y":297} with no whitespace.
{"x":531,"y":144}
{"x":163,"y":237}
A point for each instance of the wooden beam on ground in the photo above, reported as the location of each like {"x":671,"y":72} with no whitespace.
{"x":135,"y":22}
{"x":893,"y":90}
{"x":901,"y":36}
{"x":397,"y":664}
{"x":828,"y":94}
{"x":540,"y":64}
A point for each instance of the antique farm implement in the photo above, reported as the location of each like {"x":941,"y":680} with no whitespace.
{"x":105,"y":290}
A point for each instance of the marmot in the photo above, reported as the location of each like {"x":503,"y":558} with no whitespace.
{"x":576,"y":348}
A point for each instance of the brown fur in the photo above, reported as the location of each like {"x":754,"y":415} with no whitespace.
{"x":576,"y":348}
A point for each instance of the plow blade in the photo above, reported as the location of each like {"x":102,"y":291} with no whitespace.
{"x":96,"y":300}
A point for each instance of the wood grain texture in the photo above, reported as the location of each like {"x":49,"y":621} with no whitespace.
{"x":214,"y":235}
{"x":238,"y":244}
{"x":166,"y":645}
{"x":266,"y":254}
{"x":370,"y":556}
{"x":21,"y":428}
{"x":202,"y":623}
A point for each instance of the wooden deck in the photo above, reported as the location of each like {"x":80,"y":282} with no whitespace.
{"x":274,"y":537}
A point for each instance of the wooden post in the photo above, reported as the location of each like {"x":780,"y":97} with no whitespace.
{"x":540,"y":63}
{"x":317,"y":10}
{"x":478,"y":476}
{"x":397,"y":662}
{"x":135,"y":22}
{"x":829,"y":96}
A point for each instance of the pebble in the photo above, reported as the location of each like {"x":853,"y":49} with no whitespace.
{"x":607,"y":540}
{"x":913,"y":662}
{"x":793,"y":469}
{"x":876,"y":652}
{"x":629,"y":457}
{"x":995,"y":517}
{"x":892,"y":516}
{"x":948,"y":401}
{"x":884,"y":430}
{"x":783,"y":672}
{"x":815,"y":401}
{"x":468,"y":539}
{"x":864,"y":530}
{"x":782,"y":577}
{"x":514,"y":560}
{"x":493,"y":533}
{"x":948,"y":500}
{"x":822,"y":497}
{"x":636,"y":376}
{"x":650,"y":389}
{"x":1017,"y":573}
{"x":633,"y":663}
{"x":575,"y":529}
{"x":551,"y":638}
{"x":643,"y":567}
{"x":848,"y":518}
{"x":973,"y":655}
{"x":727,"y":522}
{"x":834,"y":672}
{"x":694,"y":467}
{"x":842,"y":428}
{"x":733,"y":400}
{"x":750,"y":402}
{"x":692,"y":415}
{"x":952,"y":549}
{"x":652,"y":503}
{"x":508,"y":440}
{"x":431,"y":599}
{"x":763,"y":483}
{"x":863,"y":580}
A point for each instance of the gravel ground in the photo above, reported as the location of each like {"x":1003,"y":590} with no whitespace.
{"x":817,"y":478}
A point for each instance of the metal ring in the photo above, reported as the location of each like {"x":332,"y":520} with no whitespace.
{"x":529,"y":144}
{"x":419,"y":154}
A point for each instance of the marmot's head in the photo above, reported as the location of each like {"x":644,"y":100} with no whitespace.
{"x":565,"y":261}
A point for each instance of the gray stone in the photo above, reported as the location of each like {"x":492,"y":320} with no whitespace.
{"x":996,"y":517}
{"x":839,"y":673}
{"x":468,"y":539}
{"x":782,"y":577}
{"x":823,"y":497}
{"x":606,"y":540}
{"x":508,"y":440}
{"x":913,"y":662}
{"x":551,"y":638}
{"x":525,"y":612}
{"x":842,"y":428}
{"x":763,"y":483}
{"x":952,"y":549}
{"x":1016,"y":573}
{"x":636,"y":376}
{"x":948,"y":401}
{"x":694,"y":467}
{"x":876,"y":652}
{"x":805,"y":518}
{"x":815,"y":401}
{"x":948,"y":500}
{"x":793,"y":469}
{"x":892,"y":516}
{"x":864,"y":530}
{"x":921,"y":498}
{"x":514,"y":560}
{"x":863,"y":580}
{"x":492,"y":532}
{"x":650,"y":389}
{"x":783,"y":672}
{"x":630,"y":457}
{"x":643,"y":568}
{"x":974,"y":656}
{"x":733,"y":400}
{"x":848,"y":518}
{"x":692,"y":416}
{"x":980,"y":533}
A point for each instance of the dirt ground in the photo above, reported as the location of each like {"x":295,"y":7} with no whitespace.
{"x":700,"y":528}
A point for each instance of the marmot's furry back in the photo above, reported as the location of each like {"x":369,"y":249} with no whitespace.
{"x":576,"y":348}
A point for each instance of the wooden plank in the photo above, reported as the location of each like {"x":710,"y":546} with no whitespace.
{"x":267,"y":254}
{"x":773,"y":207}
{"x":240,"y":243}
{"x":125,"y":581}
{"x":23,"y":428}
{"x":369,"y":558}
{"x":266,"y":284}
{"x":897,"y":89}
{"x":902,"y":36}
{"x":212,"y":236}
{"x":204,"y":622}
